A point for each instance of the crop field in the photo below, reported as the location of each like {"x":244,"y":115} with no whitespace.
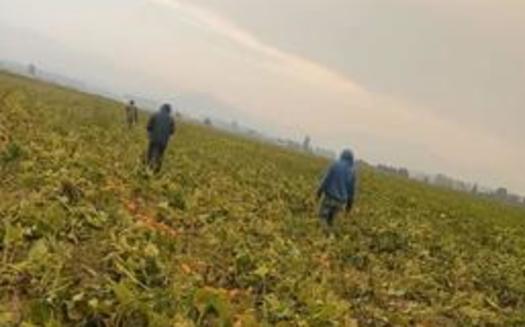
{"x":227,"y":234}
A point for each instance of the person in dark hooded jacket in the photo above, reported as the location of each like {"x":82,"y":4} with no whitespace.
{"x":337,"y":188}
{"x":161,"y":126}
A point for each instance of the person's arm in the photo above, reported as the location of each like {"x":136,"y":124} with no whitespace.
{"x":324,"y":182}
{"x":172,"y":126}
{"x":151,"y":122}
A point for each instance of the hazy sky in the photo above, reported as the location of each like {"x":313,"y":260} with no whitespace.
{"x":434,"y":85}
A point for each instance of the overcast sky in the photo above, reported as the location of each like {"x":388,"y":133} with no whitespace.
{"x":434,"y":85}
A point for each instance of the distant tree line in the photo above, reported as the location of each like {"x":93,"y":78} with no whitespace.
{"x":500,"y":194}
{"x":504,"y":195}
{"x":306,"y":146}
{"x":403,"y":172}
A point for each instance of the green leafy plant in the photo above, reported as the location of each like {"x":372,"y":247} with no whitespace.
{"x":227,"y":233}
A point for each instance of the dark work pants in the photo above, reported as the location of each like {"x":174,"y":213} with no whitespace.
{"x":154,"y":155}
{"x":329,"y":209}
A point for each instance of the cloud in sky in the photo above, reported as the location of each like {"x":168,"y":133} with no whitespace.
{"x":165,"y":47}
{"x":293,"y":64}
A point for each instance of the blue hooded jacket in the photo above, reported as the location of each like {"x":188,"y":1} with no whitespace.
{"x":161,"y":126}
{"x":339,"y":181}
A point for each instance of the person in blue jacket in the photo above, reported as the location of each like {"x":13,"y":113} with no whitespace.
{"x":161,"y":126}
{"x":337,"y":188}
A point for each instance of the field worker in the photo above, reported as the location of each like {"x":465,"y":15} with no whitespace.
{"x":160,"y":128}
{"x":337,"y":189}
{"x":132,"y":114}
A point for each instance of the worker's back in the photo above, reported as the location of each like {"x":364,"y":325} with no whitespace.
{"x":340,"y":182}
{"x":340,"y":179}
{"x":161,"y":126}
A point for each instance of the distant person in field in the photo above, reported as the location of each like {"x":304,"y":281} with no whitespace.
{"x":161,"y":126}
{"x":337,"y":188}
{"x":132,"y":114}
